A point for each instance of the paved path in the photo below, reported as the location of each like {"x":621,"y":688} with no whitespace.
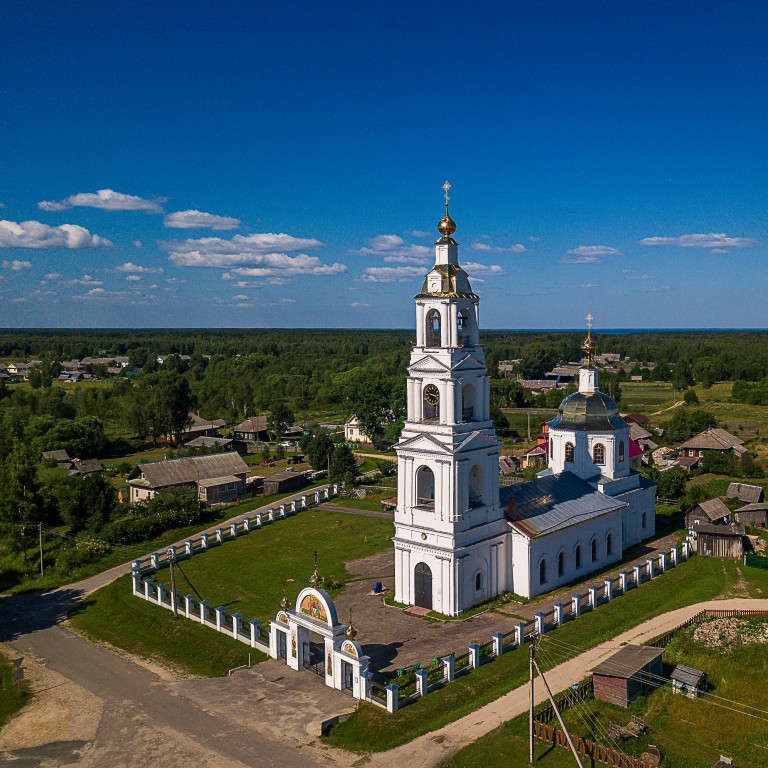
{"x":428,"y":750}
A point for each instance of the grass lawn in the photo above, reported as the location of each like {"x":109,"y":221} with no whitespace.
{"x":113,"y":615}
{"x":10,"y":701}
{"x":246,"y":576}
{"x":373,"y":729}
{"x":653,"y":395}
{"x":709,"y":730}
{"x":372,"y":500}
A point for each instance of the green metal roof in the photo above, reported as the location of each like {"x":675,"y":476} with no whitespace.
{"x":593,"y":411}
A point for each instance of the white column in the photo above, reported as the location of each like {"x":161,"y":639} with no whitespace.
{"x":421,"y":682}
{"x":498,"y":643}
{"x":445,"y":325}
{"x":487,"y":398}
{"x":638,"y":570}
{"x":474,"y":655}
{"x":623,"y":580}
{"x":255,"y":627}
{"x":237,"y":624}
{"x":419,"y":325}
{"x":418,"y":400}
{"x":650,"y":567}
{"x":450,"y":404}
{"x":392,"y":691}
{"x":410,"y":400}
{"x":220,"y":614}
{"x":453,"y":311}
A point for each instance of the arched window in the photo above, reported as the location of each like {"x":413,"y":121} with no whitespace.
{"x":425,"y":488}
{"x":609,"y":544}
{"x":598,"y":453}
{"x":578,"y":556}
{"x":468,"y":402}
{"x":569,"y":451}
{"x":642,"y":522}
{"x":594,"y":550}
{"x":462,"y":328}
{"x":479,"y":581}
{"x":476,"y":486}
{"x":621,"y":451}
{"x":561,"y":564}
{"x":434,"y":339}
{"x":543,"y":572}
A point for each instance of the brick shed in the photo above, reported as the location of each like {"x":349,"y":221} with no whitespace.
{"x":631,"y":672}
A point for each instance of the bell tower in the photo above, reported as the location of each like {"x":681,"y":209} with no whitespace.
{"x":450,"y":543}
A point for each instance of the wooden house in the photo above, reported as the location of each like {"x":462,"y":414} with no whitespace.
{"x":713,"y":439}
{"x":753,"y":514}
{"x":710,"y":511}
{"x":687,"y":681}
{"x":284,"y":482}
{"x":749,"y":494}
{"x":632,"y":671}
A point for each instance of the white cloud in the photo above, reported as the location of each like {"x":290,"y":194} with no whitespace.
{"x":137,"y":243}
{"x":99,"y":294}
{"x":53,"y":276}
{"x":262,"y":283}
{"x":133,"y":278}
{"x":129,"y":266}
{"x":391,"y":274}
{"x":534,"y":239}
{"x":589,"y":285}
{"x":105,"y":199}
{"x":34,"y":234}
{"x":276,"y":264}
{"x":393,"y":249}
{"x":711,"y":240}
{"x":486,"y":270}
{"x":579,"y":260}
{"x":2,"y":205}
{"x":85,"y":280}
{"x":639,"y":277}
{"x":19,"y":300}
{"x":358,"y":305}
{"x":16,"y":265}
{"x":287,"y":301}
{"x":420,"y":233}
{"x":595,"y":250}
{"x":517,"y":248}
{"x":199,"y":220}
{"x":718,"y":250}
{"x":240,"y":297}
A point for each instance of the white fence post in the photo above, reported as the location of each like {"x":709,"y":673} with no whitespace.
{"x":233,"y":530}
{"x":422,"y":686}
{"x":203,"y":611}
{"x":662,"y":561}
{"x":608,"y":584}
{"x":255,"y":627}
{"x":498,"y":643}
{"x":221,"y":613}
{"x":520,"y":633}
{"x":136,"y":581}
{"x":474,"y":655}
{"x":650,"y":567}
{"x":148,"y":589}
{"x":189,"y":601}
{"x":592,"y":596}
{"x":259,"y":521}
{"x":203,"y":541}
{"x":638,"y":573}
{"x":219,"y":535}
{"x":237,"y":623}
{"x":539,"y":623}
{"x":576,"y":605}
{"x":673,"y":555}
{"x":623,"y":581}
{"x":247,"y":524}
{"x":190,"y":545}
{"x":161,"y":594}
{"x":559,"y":612}
{"x":154,"y":559}
{"x":392,"y":691}
{"x":448,"y":668}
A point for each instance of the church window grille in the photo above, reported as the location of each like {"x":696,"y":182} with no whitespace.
{"x":561,"y":564}
{"x":594,"y":550}
{"x":569,"y":452}
{"x":578,"y":555}
{"x":621,"y":451}
{"x":598,"y":454}
{"x":543,"y":572}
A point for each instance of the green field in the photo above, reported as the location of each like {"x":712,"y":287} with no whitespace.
{"x":641,"y":396}
{"x":246,"y":576}
{"x":710,"y":729}
{"x":372,"y":729}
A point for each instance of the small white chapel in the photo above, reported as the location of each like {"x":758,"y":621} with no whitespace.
{"x":459,"y":539}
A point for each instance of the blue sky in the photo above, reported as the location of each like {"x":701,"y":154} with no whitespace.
{"x":259,"y":165}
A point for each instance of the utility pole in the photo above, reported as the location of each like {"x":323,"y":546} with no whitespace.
{"x":174,"y":605}
{"x":531,"y":662}
{"x":42,"y":563}
{"x":557,"y":712}
{"x":529,"y":425}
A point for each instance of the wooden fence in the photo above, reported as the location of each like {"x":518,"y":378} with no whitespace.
{"x":566,"y":700}
{"x":587,"y":748}
{"x":662,"y":641}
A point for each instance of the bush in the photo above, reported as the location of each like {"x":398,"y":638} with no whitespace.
{"x":82,"y":552}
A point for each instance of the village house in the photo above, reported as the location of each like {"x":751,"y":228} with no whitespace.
{"x":252,"y":429}
{"x":85,"y":467}
{"x":284,"y":482}
{"x":221,"y":443}
{"x":750,"y":494}
{"x":61,"y":457}
{"x":199,"y":427}
{"x":632,"y":671}
{"x":353,"y":433}
{"x":710,"y":511}
{"x":755,"y":515}
{"x":713,"y":439}
{"x":228,"y":469}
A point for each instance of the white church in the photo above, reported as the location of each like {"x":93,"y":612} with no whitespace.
{"x":459,"y":539}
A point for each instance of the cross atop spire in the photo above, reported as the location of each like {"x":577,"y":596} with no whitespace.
{"x":589,"y":321}
{"x":446,"y":226}
{"x":446,"y":187}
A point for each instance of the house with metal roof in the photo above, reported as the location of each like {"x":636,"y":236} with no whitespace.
{"x":147,"y":480}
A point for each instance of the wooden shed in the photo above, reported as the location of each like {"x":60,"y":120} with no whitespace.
{"x":710,"y":511}
{"x":753,"y":514}
{"x":631,"y":672}
{"x":687,"y":681}
{"x":726,"y":541}
{"x":284,"y":482}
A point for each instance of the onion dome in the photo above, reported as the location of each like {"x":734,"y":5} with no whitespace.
{"x":350,"y":632}
{"x":316,"y":579}
{"x":285,"y":603}
{"x":588,"y":412}
{"x":446,"y":226}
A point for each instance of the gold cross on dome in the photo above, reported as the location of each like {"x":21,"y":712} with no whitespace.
{"x":589,"y":321}
{"x":446,"y":187}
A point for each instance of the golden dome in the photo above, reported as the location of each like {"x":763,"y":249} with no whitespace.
{"x":446,"y":226}
{"x":350,"y":632}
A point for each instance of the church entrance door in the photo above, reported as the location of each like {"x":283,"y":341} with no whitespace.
{"x":312,"y":657}
{"x":281,"y":646}
{"x":422,"y":586}
{"x":346,"y":669}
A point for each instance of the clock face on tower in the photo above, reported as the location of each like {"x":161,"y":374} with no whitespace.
{"x":432,"y":394}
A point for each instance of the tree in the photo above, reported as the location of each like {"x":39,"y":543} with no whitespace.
{"x":319,"y":450}
{"x":280,"y":418}
{"x":161,"y":405}
{"x":86,"y":502}
{"x":536,"y":360}
{"x":687,"y":422}
{"x":343,"y":464}
{"x":719,"y":463}
{"x":500,"y":423}
{"x":378,"y":402}
{"x":690,"y":397}
{"x":20,"y":501}
{"x":671,"y":484}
